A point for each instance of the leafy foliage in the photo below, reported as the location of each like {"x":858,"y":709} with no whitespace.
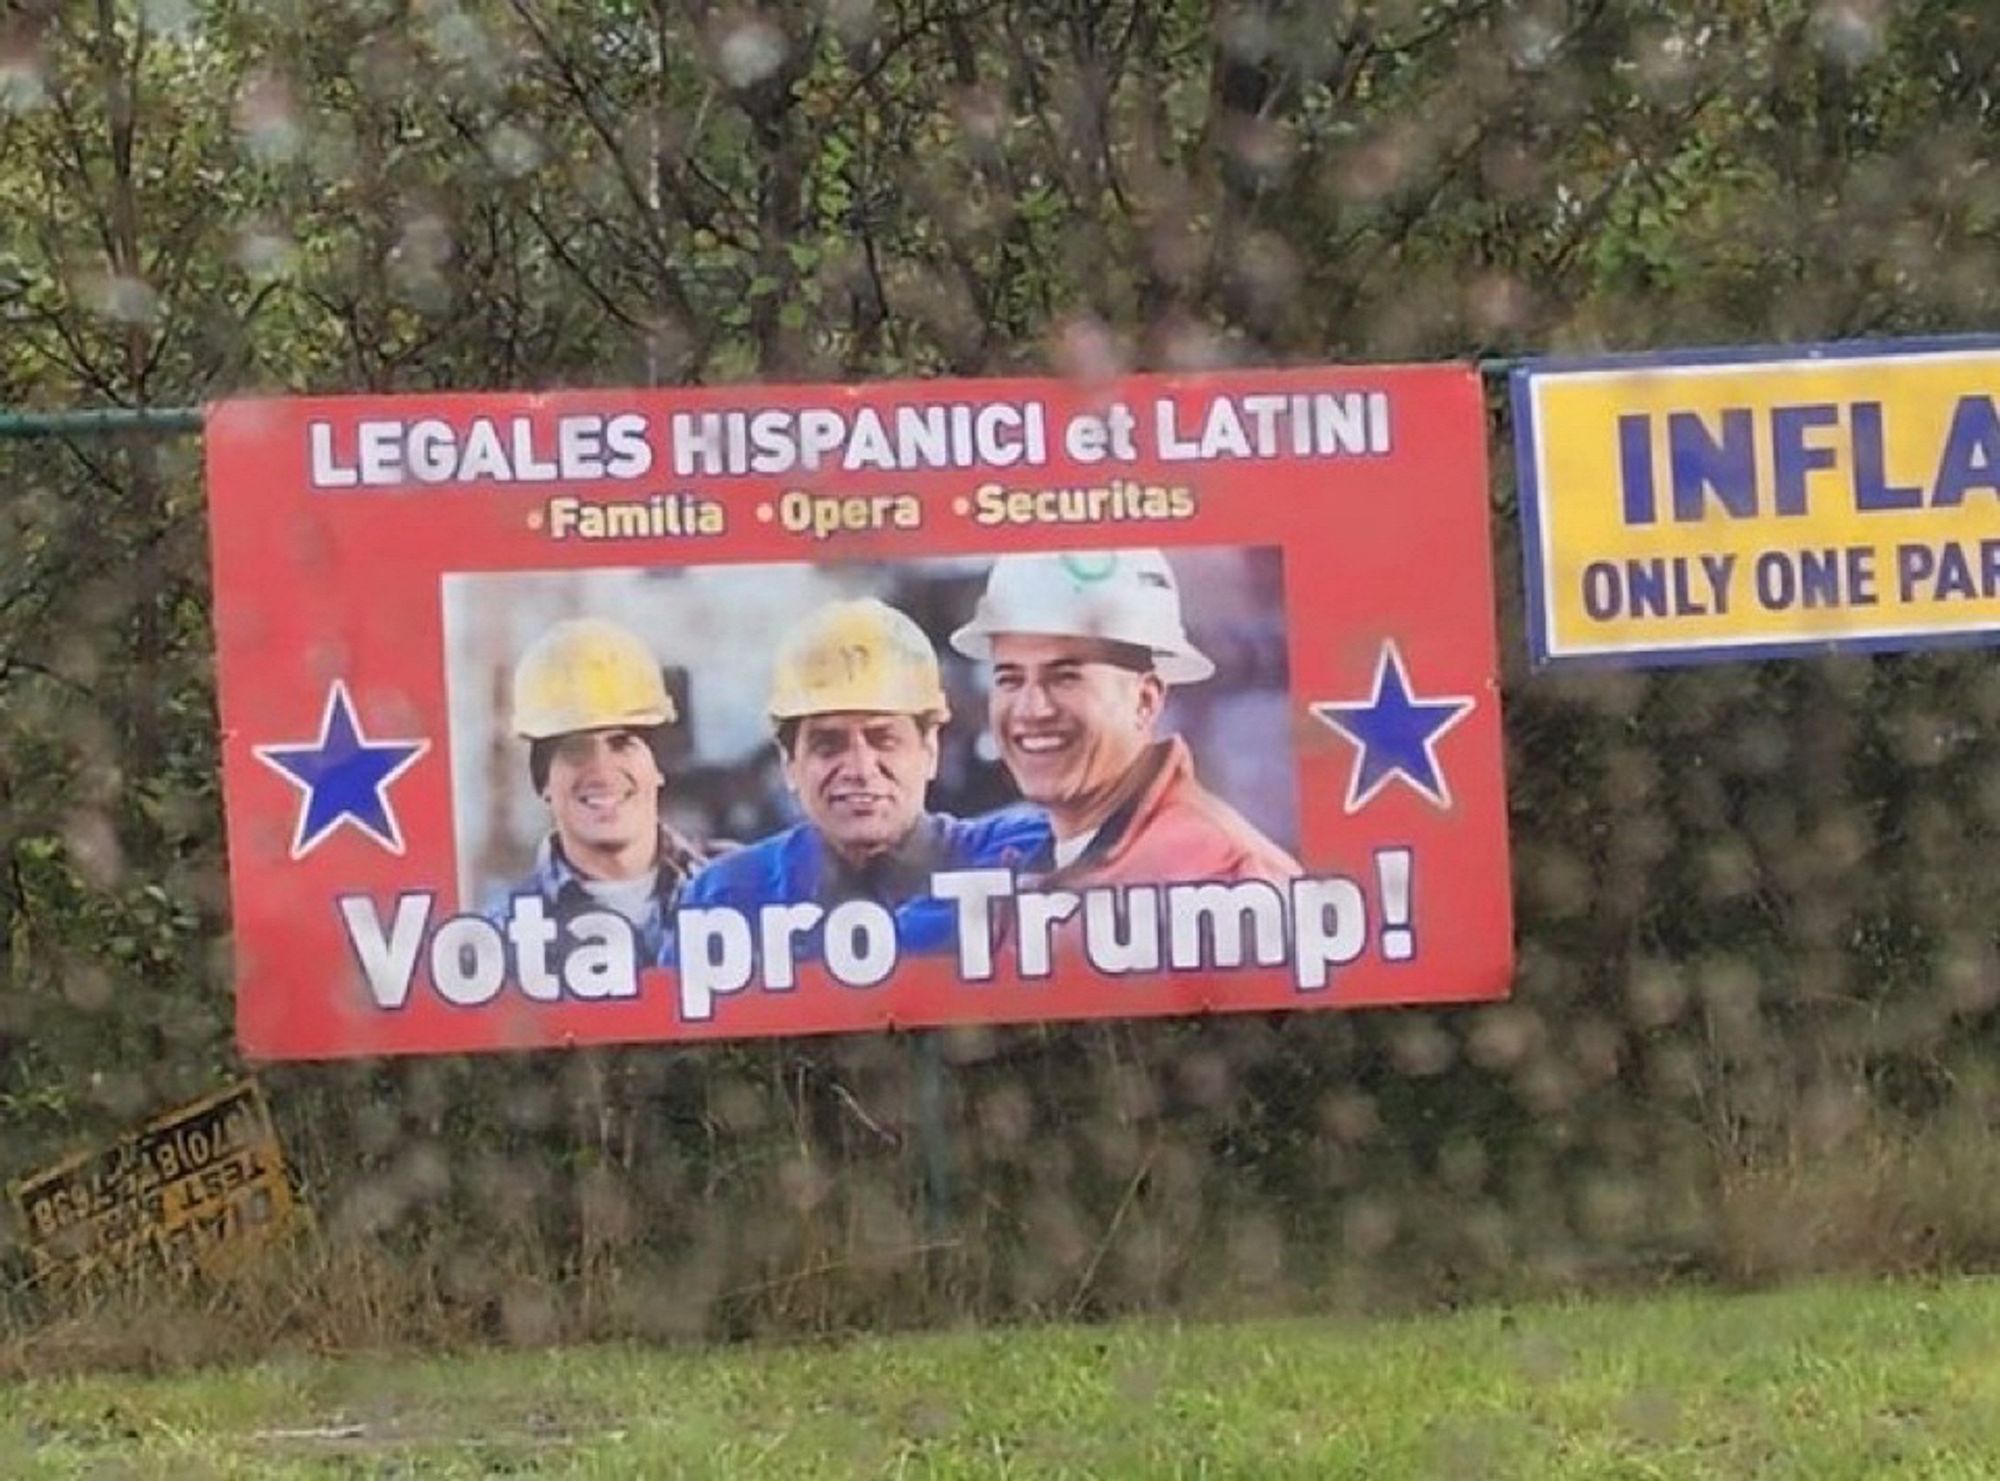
{"x":1755,"y":916}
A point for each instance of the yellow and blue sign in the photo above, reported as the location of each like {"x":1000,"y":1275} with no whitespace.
{"x":1714,"y":504}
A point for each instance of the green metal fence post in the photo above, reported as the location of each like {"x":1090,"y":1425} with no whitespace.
{"x":940,"y":1179}
{"x":101,"y":421}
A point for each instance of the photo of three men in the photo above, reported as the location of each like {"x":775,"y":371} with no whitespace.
{"x":1080,"y":652}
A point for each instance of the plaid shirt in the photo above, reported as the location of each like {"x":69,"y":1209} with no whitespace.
{"x":565,"y":893}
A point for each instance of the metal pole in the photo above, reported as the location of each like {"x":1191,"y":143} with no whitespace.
{"x":940,"y":1179}
{"x":101,"y":421}
{"x":106,"y":421}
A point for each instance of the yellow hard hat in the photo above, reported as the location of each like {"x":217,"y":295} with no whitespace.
{"x":588,"y":674}
{"x":858,"y":655}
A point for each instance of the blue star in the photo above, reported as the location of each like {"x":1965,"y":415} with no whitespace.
{"x":1395,"y":733}
{"x":345,"y":777}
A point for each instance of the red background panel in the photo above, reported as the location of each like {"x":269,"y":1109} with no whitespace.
{"x":319,"y":585}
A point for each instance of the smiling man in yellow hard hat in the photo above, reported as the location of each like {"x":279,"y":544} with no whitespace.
{"x":589,"y":699}
{"x":856,"y":705}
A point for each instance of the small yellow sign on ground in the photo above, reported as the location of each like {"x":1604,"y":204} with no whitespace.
{"x":194,"y":1190}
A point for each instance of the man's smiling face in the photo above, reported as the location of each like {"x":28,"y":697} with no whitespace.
{"x":1071,"y":717}
{"x":604,"y":791}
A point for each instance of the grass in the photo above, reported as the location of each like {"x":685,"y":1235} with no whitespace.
{"x":1826,"y":1381}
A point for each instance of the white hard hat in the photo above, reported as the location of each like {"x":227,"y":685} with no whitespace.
{"x":1119,"y":596}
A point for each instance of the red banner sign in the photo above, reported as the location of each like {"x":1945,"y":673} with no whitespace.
{"x":603,"y":717}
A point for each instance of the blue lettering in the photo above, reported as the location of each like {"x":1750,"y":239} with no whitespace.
{"x":1697,"y":462}
{"x":1657,"y":586}
{"x":1684,"y":601}
{"x":1635,"y":468}
{"x":1819,"y":578}
{"x":1954,"y":573}
{"x":1791,"y":459}
{"x":1600,"y":590}
{"x":1833,"y":576}
{"x":1861,"y":575}
{"x":1776,"y":588}
{"x":1971,"y":451}
{"x":1646,"y":588}
{"x":1872,"y":489}
{"x":1718,"y":568}
{"x":1914,"y":564}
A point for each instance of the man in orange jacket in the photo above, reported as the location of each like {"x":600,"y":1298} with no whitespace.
{"x":1083,"y":646}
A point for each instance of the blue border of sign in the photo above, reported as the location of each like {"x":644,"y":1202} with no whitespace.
{"x":1528,"y":489}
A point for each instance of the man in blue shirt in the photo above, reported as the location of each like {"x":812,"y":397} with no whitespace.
{"x":857,"y":703}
